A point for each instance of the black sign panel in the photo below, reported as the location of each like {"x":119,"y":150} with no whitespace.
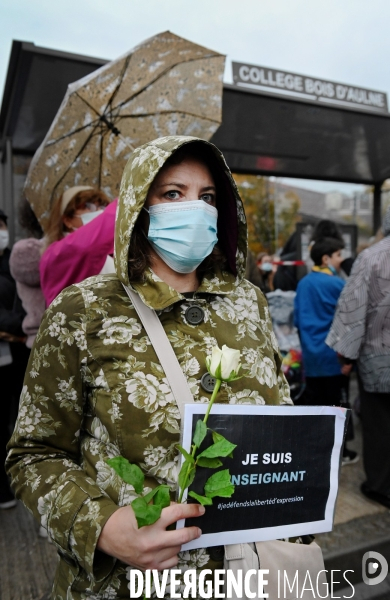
{"x":290,"y":448}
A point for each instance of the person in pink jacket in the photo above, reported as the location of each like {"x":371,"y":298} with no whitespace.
{"x":79,"y":239}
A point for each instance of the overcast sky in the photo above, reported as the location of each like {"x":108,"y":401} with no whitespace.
{"x":347,"y":41}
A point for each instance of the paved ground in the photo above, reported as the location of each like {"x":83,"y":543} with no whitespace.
{"x":351,"y":504}
{"x":27,"y":562}
{"x":360,"y":525}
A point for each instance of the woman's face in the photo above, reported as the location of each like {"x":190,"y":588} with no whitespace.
{"x":189,"y":180}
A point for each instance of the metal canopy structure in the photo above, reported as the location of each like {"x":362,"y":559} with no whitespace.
{"x":295,"y":138}
{"x":36,"y":83}
{"x":267,"y":134}
{"x":261,"y":133}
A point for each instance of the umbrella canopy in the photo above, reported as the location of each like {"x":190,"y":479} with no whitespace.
{"x":165,"y":86}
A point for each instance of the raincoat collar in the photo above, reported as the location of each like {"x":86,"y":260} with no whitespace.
{"x":158,"y":295}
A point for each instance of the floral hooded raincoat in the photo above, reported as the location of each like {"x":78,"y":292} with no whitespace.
{"x":94,"y":387}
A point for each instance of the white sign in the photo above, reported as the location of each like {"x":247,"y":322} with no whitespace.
{"x":285,"y":470}
{"x":309,"y":88}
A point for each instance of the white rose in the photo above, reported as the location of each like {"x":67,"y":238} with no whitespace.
{"x":224,"y":364}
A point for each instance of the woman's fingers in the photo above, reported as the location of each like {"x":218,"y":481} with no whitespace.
{"x":181,"y":536}
{"x":154,"y":559}
{"x":169,"y":564}
{"x":176,"y":512}
{"x":150,"y":547}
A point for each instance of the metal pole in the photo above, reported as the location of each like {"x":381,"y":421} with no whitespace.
{"x":9,"y":190}
{"x":377,"y":208}
{"x":267,"y":199}
{"x":2,"y":185}
{"x":275,"y":215}
{"x":354,"y":207}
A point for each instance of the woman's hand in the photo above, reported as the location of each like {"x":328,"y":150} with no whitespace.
{"x":152,"y":546}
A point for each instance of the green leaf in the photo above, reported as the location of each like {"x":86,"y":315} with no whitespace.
{"x":200,"y":433}
{"x":201,"y":499}
{"x":187,"y":474}
{"x":159,"y":493}
{"x":217,"y":437}
{"x":130,"y":473}
{"x":146,"y":514}
{"x":226,"y":492}
{"x":234,"y":377}
{"x":211,"y":463}
{"x":219,"y":484}
{"x":185,"y":453}
{"x":149,"y":497}
{"x":163,"y":497}
{"x":221,"y":448}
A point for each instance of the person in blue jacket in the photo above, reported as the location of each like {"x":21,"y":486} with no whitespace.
{"x":314,"y":309}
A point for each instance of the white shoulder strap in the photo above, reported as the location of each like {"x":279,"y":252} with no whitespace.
{"x":163,"y":348}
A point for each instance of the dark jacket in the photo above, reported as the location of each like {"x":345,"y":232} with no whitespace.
{"x":11,"y":310}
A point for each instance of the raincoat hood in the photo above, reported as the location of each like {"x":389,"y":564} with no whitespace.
{"x":139,"y":173}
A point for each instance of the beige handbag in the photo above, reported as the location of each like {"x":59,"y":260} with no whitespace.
{"x":283,"y":559}
{"x":294,"y":569}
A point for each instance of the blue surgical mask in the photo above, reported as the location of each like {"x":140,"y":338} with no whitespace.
{"x":4,"y":239}
{"x":90,"y":216}
{"x":332,"y":268}
{"x":266,"y":266}
{"x":183,"y":234}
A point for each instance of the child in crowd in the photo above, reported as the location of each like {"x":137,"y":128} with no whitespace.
{"x":314,"y":309}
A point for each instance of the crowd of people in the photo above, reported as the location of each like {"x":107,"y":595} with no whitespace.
{"x":93,"y":388}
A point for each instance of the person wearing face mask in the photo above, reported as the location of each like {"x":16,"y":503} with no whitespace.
{"x":79,"y":239}
{"x":314,"y":308}
{"x":267,"y":270}
{"x":13,"y":357}
{"x":329,"y":229}
{"x":180,"y":243}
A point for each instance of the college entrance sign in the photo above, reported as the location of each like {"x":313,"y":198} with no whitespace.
{"x":284,"y":468}
{"x":309,"y":88}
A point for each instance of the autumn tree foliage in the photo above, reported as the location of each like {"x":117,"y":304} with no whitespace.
{"x":260,"y":198}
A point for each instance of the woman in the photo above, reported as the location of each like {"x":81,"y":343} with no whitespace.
{"x":13,"y":357}
{"x":79,"y":240}
{"x":267,"y":271}
{"x":107,"y":394}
